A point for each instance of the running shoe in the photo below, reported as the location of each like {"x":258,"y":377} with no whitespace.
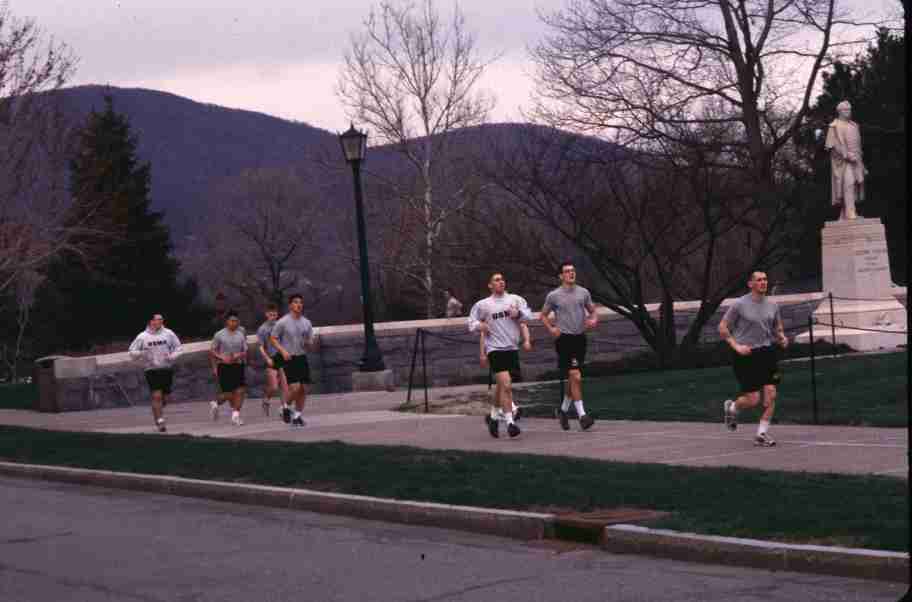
{"x":286,"y":415}
{"x":236,"y":420}
{"x":214,"y":410}
{"x":265,"y":408}
{"x":297,"y":421}
{"x":564,"y":420}
{"x":728,"y":414}
{"x":764,"y":440}
{"x":493,"y":426}
{"x":513,"y":430}
{"x":518,"y":413}
{"x":160,"y":423}
{"x":586,"y":420}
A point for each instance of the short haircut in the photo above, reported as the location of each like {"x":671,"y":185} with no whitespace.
{"x":157,"y":316}
{"x":294,"y":296}
{"x":560,"y":268}
{"x":231,"y":314}
{"x":491,"y":277}
{"x":272,"y":307}
{"x":755,"y":272}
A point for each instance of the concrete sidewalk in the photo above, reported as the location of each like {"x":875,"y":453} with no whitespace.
{"x":370,"y":418}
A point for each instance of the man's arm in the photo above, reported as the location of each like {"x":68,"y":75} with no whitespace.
{"x":215,"y":352}
{"x":264,"y":341}
{"x":780,"y":332}
{"x":176,"y":348}
{"x":527,"y":339}
{"x":475,"y":322}
{"x":726,"y":334}
{"x":313,"y":343}
{"x":545,"y":316}
{"x":136,"y":348}
{"x":592,"y":319}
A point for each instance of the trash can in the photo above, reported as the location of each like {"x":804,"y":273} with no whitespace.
{"x":47,"y":384}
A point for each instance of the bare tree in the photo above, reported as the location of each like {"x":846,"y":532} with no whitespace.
{"x":412,"y":78}
{"x":23,"y":298}
{"x":262,"y":241}
{"x":651,"y":72}
{"x":644,"y":228}
{"x":35,"y":224}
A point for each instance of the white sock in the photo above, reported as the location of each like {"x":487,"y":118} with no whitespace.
{"x":734,"y":408}
{"x":297,"y":414}
{"x":235,"y":414}
{"x":578,"y":404}
{"x":494,"y":413}
{"x":160,"y":421}
{"x":764,"y":424}
{"x":509,"y":417}
{"x":514,"y":408}
{"x":565,"y":406}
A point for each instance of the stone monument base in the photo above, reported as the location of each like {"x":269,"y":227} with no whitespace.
{"x":856,"y":271}
{"x":382,"y":380}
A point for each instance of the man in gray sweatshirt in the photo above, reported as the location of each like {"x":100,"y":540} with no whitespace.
{"x":158,"y":348}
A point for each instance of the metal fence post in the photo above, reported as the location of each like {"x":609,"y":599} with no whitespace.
{"x":813,"y":366}
{"x":408,"y":397}
{"x":424,"y":371}
{"x":833,"y":325}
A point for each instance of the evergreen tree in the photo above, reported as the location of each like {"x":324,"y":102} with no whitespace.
{"x":131,"y":272}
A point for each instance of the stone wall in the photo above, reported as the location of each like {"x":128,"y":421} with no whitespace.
{"x":106,"y":381}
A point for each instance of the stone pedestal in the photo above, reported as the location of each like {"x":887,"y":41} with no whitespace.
{"x":382,"y":380}
{"x":856,"y":270}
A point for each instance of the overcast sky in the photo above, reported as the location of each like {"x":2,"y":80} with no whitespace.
{"x":280,"y":57}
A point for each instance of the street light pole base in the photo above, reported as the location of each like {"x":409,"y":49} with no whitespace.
{"x":381,"y":380}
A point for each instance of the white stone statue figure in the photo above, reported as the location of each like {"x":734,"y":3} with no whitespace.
{"x":848,"y":171}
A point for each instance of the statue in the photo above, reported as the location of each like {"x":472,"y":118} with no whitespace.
{"x":848,"y":171}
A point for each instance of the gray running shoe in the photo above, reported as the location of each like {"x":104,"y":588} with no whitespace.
{"x":513,"y":430}
{"x":586,"y":421}
{"x":493,"y":426}
{"x":564,"y":420}
{"x":728,"y":415}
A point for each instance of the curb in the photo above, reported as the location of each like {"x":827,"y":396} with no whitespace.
{"x":843,"y":562}
{"x":828,"y":560}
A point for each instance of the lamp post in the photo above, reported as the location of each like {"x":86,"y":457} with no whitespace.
{"x":354,"y":146}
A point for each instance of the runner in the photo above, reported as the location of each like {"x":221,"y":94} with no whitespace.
{"x":498,"y":319}
{"x":293,"y":336}
{"x":752,"y":326}
{"x":275,"y":376}
{"x":495,"y":410}
{"x":157,"y":347}
{"x":229,"y":351}
{"x":574,"y":314}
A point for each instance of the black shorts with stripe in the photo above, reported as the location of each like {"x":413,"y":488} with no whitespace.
{"x":232,"y":377}
{"x":505,"y":361}
{"x":297,"y":370}
{"x":759,"y":368}
{"x":160,"y":379}
{"x":571,"y":352}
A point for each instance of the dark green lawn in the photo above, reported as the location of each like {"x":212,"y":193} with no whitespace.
{"x":18,"y":397}
{"x":867,"y":390}
{"x":812,"y":508}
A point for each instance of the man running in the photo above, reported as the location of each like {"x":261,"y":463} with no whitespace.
{"x":752,"y":326}
{"x":229,"y":351}
{"x":498,"y":318}
{"x":574,"y":314}
{"x":157,"y":347}
{"x":293,"y":336}
{"x":275,"y":376}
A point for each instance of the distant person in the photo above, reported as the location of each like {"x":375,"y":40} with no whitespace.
{"x":293,"y":335}
{"x":158,"y":348}
{"x":453,"y":305}
{"x":498,"y":319}
{"x":574,"y":314}
{"x":229,"y":352}
{"x":275,"y":376}
{"x":752,"y":326}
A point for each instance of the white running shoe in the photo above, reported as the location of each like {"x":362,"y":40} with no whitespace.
{"x":160,"y":423}
{"x":236,"y":419}
{"x":728,"y":414}
{"x":214,"y":410}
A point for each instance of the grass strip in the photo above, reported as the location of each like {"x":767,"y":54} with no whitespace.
{"x":863,"y":390}
{"x":857,"y":511}
{"x":20,"y":396}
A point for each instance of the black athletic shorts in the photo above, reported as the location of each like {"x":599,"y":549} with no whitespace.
{"x":759,"y":368}
{"x":277,"y":361}
{"x":297,"y":370}
{"x":231,"y":377}
{"x":571,"y":352}
{"x":160,"y":379}
{"x":504,"y":361}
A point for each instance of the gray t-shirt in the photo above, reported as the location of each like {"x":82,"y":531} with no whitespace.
{"x":226,"y":342}
{"x":293,"y":333}
{"x":569,"y":306}
{"x":263,"y":333}
{"x":753,"y":323}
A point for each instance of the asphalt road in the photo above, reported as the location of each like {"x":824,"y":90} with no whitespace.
{"x":74,"y":543}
